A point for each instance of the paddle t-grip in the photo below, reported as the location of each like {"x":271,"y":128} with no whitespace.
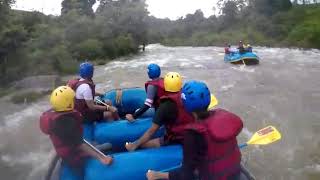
{"x":243,"y":145}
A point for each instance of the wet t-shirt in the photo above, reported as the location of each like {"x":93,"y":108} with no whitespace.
{"x":166,"y":113}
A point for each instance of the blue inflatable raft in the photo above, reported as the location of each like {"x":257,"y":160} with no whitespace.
{"x":132,"y":165}
{"x":247,"y":58}
{"x":127,"y":165}
{"x":127,"y":100}
{"x":118,"y":132}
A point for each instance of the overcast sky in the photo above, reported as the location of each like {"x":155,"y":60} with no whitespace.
{"x":172,"y":9}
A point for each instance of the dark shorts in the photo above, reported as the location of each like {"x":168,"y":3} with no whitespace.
{"x":93,"y":116}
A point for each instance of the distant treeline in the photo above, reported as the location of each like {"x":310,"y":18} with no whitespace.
{"x":258,"y":22}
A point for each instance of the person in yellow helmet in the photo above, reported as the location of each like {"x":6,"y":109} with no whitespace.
{"x":170,"y":113}
{"x":63,"y":124}
{"x":249,"y":48}
{"x":210,"y":148}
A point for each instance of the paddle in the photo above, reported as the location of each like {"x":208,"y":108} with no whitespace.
{"x":94,"y":148}
{"x":101,"y":102}
{"x":52,"y":166}
{"x":213,"y":102}
{"x":55,"y":159}
{"x":264,"y":136}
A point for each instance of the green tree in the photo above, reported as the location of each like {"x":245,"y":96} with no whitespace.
{"x":4,"y":11}
{"x":269,"y":7}
{"x":83,"y":7}
{"x":88,"y":49}
{"x":230,"y":11}
{"x":124,"y":17}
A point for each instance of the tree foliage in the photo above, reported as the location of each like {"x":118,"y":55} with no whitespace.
{"x":32,"y":43}
{"x":263,"y":22}
{"x":82,"y":7}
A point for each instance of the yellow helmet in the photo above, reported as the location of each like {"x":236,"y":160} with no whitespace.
{"x":213,"y":102}
{"x":62,"y":99}
{"x":172,"y":82}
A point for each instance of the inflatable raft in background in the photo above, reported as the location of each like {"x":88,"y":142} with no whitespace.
{"x":247,"y":58}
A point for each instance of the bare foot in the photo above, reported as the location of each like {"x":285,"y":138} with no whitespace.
{"x":131,"y":146}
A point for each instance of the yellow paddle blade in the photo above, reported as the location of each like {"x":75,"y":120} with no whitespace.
{"x":265,"y":136}
{"x":213,"y":102}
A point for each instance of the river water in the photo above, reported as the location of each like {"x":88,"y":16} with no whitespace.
{"x":283,"y":91}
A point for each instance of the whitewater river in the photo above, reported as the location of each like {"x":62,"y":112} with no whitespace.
{"x":283,"y":91}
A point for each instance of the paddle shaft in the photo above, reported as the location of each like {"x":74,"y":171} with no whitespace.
{"x":99,"y":101}
{"x":94,"y":148}
{"x":52,"y":166}
{"x":55,"y":159}
{"x":172,"y":168}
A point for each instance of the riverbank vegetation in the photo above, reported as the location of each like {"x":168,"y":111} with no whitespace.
{"x":280,"y":23}
{"x":32,"y":43}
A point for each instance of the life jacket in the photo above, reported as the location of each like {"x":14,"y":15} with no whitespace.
{"x":71,"y":154}
{"x":80,"y":104}
{"x":175,"y":130}
{"x":226,"y":50}
{"x":223,"y":155}
{"x":241,"y":49}
{"x":160,"y":90}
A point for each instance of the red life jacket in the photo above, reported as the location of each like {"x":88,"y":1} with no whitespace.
{"x":160,"y":90}
{"x":71,"y":154}
{"x":226,"y":50}
{"x":80,"y":104}
{"x":175,"y":130}
{"x":223,"y":157}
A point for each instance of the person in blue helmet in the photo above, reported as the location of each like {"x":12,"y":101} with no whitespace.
{"x":154,"y":89}
{"x":210,"y":148}
{"x":85,"y":93}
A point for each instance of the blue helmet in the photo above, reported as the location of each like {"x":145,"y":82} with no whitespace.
{"x":154,"y":71}
{"x":86,"y":70}
{"x":195,"y":96}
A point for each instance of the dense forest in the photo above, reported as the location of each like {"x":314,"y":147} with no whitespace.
{"x":259,"y":22}
{"x":32,"y":43}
